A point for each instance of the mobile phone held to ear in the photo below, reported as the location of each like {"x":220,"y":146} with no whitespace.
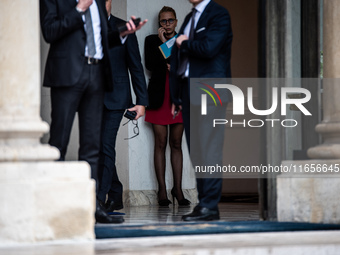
{"x":122,"y":26}
{"x":131,"y":115}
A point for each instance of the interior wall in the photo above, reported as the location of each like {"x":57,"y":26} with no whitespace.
{"x":141,"y":164}
{"x":244,"y":21}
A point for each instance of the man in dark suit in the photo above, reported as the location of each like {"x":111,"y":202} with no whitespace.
{"x":203,"y":50}
{"x":123,"y":58}
{"x":78,"y":71}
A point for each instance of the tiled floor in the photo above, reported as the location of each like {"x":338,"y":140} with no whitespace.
{"x":171,"y":214}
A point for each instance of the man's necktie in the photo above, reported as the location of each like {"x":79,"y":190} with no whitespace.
{"x":184,"y":60}
{"x":89,"y":34}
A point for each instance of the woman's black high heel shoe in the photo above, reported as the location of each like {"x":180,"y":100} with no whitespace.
{"x":182,"y":202}
{"x":164,"y":202}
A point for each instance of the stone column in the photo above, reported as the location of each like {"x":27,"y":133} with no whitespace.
{"x":329,"y":128}
{"x":40,"y":199}
{"x":283,"y":61}
{"x":309,"y":193}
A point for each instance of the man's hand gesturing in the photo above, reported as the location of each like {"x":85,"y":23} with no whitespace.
{"x":131,"y":28}
{"x":84,"y":4}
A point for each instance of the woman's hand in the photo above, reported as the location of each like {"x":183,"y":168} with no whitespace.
{"x":161,"y":32}
{"x":175,"y":110}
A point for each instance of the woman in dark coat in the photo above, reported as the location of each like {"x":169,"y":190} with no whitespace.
{"x":159,"y":110}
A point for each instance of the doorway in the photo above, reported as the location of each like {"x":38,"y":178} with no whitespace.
{"x":242,"y":143}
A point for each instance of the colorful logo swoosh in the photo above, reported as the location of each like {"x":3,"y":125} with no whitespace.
{"x":210,"y":94}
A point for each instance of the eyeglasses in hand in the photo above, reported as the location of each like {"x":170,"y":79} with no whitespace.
{"x":135,"y":128}
{"x":164,"y":21}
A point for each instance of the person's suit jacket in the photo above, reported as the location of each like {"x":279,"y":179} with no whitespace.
{"x":209,"y":52}
{"x":156,"y":64}
{"x":123,"y":58}
{"x":63,"y":27}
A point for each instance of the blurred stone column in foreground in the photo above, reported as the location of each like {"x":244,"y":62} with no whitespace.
{"x":329,"y":128}
{"x":311,"y":193}
{"x":40,"y":199}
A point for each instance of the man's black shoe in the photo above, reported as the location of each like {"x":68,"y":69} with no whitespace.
{"x":110,"y":206}
{"x":101,"y":204}
{"x":103,"y":217}
{"x":201,"y":214}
